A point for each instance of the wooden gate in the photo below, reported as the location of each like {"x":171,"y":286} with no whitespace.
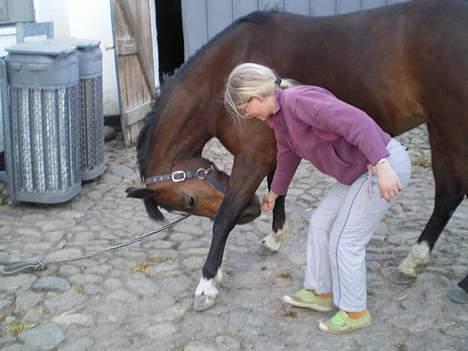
{"x":133,"y":43}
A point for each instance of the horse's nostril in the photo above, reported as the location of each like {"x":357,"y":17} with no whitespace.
{"x":189,"y":201}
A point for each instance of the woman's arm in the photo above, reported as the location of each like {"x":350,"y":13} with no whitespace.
{"x":286,"y":165}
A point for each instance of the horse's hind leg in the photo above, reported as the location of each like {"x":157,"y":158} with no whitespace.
{"x":280,"y":228}
{"x":448,"y":195}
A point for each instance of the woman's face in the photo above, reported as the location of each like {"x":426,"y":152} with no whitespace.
{"x":260,"y":107}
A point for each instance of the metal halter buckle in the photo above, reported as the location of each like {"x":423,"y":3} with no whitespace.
{"x":178,"y":176}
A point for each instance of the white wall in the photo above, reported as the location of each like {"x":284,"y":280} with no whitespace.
{"x":87,"y":19}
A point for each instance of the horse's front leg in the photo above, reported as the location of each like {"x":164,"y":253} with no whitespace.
{"x":206,"y":292}
{"x":242,"y":188}
{"x":272,"y":241}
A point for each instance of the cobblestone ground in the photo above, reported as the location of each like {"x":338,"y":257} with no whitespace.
{"x":140,"y":297}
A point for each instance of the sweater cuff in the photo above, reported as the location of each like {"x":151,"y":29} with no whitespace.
{"x":378,"y":155}
{"x":279,"y":189}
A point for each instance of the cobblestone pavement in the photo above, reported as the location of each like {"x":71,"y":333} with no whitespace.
{"x":140,"y":297}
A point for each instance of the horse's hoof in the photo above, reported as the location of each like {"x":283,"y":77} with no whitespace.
{"x":203,"y":302}
{"x":265,"y":251}
{"x":399,"y":278}
{"x":418,"y":256}
{"x":270,"y":244}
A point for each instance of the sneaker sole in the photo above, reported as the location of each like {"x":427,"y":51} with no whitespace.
{"x":324,"y":328}
{"x":320,"y":308}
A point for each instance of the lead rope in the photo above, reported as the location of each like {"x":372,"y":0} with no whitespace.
{"x":12,"y":268}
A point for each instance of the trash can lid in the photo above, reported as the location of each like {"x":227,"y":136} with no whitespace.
{"x":44,"y":47}
{"x":80,"y":44}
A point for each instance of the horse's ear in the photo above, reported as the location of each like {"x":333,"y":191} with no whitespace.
{"x":139,"y":193}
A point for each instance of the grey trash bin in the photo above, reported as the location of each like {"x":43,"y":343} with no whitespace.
{"x":4,"y":111}
{"x":91,"y":106}
{"x":44,"y":122}
{"x":92,"y":113}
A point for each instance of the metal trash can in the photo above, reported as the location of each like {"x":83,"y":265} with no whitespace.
{"x":92,"y":110}
{"x":4,"y":111}
{"x":2,"y":139}
{"x":91,"y":106}
{"x":44,"y":122}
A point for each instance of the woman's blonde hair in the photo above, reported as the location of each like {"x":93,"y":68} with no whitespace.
{"x":248,"y":80}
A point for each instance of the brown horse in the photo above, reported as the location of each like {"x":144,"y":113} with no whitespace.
{"x":404,"y":65}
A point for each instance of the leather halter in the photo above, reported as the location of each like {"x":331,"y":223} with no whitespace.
{"x":183,"y":175}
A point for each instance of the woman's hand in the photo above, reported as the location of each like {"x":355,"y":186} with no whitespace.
{"x":269,"y":201}
{"x":389,"y":183}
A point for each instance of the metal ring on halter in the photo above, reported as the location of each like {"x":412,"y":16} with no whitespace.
{"x":202,"y":173}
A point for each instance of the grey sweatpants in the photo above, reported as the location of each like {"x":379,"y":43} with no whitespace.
{"x":340,"y":229}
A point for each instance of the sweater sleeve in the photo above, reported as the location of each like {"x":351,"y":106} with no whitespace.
{"x":286,"y":165}
{"x":353,"y":124}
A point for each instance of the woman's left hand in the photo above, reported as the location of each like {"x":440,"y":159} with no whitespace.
{"x":269,"y":200}
{"x":389,"y":183}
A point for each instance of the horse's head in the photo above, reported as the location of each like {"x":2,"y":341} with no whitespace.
{"x":194,"y":186}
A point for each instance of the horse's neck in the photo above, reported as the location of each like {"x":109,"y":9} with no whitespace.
{"x":184,"y":142}
{"x":181,"y":132}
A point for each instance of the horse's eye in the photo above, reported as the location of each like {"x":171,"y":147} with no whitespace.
{"x":189,"y":201}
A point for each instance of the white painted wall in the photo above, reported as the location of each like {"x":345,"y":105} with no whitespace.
{"x":86,"y":19}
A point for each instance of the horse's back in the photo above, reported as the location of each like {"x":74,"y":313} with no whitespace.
{"x":400,"y":63}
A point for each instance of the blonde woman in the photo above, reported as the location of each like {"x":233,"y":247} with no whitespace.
{"x":340,"y":140}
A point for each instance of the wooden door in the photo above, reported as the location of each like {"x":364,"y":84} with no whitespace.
{"x":133,"y":43}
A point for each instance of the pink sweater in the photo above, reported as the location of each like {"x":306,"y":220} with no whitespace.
{"x":312,"y":124}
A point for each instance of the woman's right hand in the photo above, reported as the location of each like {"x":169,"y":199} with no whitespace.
{"x":388,"y":180}
{"x":269,"y":201}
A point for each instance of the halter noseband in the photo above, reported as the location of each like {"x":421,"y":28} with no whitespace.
{"x":180,"y":176}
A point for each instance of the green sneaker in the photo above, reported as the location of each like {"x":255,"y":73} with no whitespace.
{"x":340,"y":323}
{"x":308,"y":299}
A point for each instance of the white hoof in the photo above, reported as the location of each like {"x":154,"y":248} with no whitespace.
{"x":205,"y":294}
{"x":419,"y":256}
{"x":271,"y":243}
